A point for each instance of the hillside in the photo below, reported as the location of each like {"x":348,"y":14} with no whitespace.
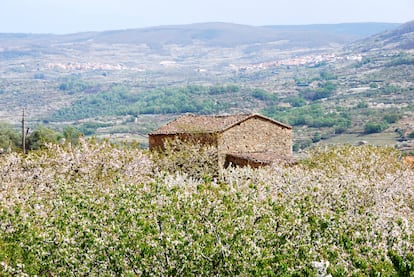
{"x":352,"y":30}
{"x":126,"y":83}
{"x":231,"y":35}
{"x":400,"y":38}
{"x":212,"y":34}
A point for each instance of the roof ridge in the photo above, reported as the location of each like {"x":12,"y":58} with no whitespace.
{"x":194,"y":123}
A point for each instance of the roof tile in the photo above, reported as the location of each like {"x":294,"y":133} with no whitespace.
{"x":190,"y":123}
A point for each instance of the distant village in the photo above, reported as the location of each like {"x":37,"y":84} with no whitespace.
{"x":310,"y":60}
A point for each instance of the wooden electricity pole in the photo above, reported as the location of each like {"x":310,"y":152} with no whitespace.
{"x":23,"y":135}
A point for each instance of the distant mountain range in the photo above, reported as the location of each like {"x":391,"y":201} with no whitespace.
{"x":229,"y":35}
{"x":211,"y":34}
{"x":352,"y":30}
{"x":190,"y":42}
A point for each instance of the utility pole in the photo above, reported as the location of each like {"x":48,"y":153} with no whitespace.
{"x":23,"y":135}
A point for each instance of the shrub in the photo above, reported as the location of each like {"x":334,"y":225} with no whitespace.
{"x":263,"y":95}
{"x":193,"y":159}
{"x":391,"y":118}
{"x":296,"y":101}
{"x":362,"y":105}
{"x":10,"y":139}
{"x":374,"y":127}
{"x":325,"y":90}
{"x":316,"y":137}
{"x":325,"y":75}
{"x":71,"y":135}
{"x":42,"y":136}
{"x":373,"y":85}
{"x":295,"y":147}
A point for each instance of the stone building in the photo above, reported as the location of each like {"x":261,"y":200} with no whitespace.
{"x":242,"y":139}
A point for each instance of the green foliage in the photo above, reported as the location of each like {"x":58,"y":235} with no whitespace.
{"x":342,"y":125}
{"x":375,"y":127}
{"x":391,"y":118}
{"x":390,"y":89}
{"x":305,"y":143}
{"x":120,"y":101}
{"x":263,"y":95}
{"x":10,"y":139}
{"x":324,"y":90}
{"x":402,"y":59}
{"x":40,"y":137}
{"x":75,"y":85}
{"x":98,"y":209}
{"x":403,"y":266}
{"x":311,"y":115}
{"x":411,"y":135}
{"x":373,"y":85}
{"x":214,"y":90}
{"x":89,"y":128}
{"x":296,"y":101}
{"x":71,"y":135}
{"x":316,"y":137}
{"x":302,"y":82}
{"x":325,"y":75}
{"x":362,"y":105}
{"x":295,"y":147}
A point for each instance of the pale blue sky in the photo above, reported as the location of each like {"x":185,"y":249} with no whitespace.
{"x":68,"y":16}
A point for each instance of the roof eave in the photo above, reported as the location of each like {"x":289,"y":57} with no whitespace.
{"x":256,"y":115}
{"x":180,"y":133}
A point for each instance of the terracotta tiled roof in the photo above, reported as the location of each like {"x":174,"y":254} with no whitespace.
{"x":190,"y":123}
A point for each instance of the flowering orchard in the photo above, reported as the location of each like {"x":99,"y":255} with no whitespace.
{"x":100,"y":209}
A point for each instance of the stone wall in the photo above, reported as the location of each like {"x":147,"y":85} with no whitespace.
{"x":255,"y":135}
{"x":235,"y":160}
{"x":157,"y":141}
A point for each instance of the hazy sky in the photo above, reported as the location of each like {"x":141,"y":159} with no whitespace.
{"x":68,"y":16}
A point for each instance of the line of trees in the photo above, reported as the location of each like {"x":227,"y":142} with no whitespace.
{"x":312,"y":116}
{"x":119,"y":100}
{"x":11,"y":138}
